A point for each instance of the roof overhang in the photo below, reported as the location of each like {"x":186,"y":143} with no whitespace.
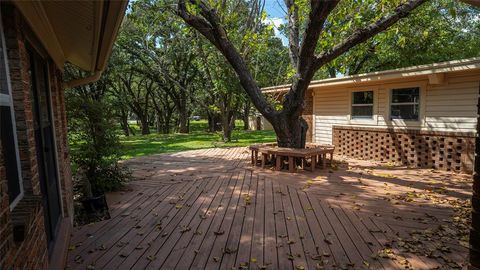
{"x":422,"y":70}
{"x":79,"y":32}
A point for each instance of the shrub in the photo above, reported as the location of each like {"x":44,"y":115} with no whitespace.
{"x":95,"y":146}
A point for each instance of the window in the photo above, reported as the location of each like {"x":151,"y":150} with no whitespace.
{"x":8,"y":134}
{"x":362,"y":105}
{"x":405,"y":103}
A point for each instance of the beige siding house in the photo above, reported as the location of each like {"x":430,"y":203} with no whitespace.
{"x":422,"y":116}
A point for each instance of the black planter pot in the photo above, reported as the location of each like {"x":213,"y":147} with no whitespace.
{"x":95,"y":204}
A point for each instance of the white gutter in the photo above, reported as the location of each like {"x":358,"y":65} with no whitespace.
{"x":450,"y":66}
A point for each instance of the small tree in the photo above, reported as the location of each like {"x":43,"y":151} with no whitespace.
{"x":93,"y":139}
{"x":288,"y":124}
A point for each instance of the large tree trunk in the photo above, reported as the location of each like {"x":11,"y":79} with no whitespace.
{"x":245,"y":115}
{"x":124,"y":123}
{"x":213,"y":119}
{"x":160,"y":124}
{"x":183,"y":120}
{"x":475,"y":227}
{"x":291,"y":131}
{"x":228,"y":124}
{"x":144,"y":124}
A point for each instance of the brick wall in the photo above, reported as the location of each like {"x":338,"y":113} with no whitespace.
{"x":440,"y":150}
{"x":60,"y":123}
{"x":5,"y":231}
{"x":31,"y":253}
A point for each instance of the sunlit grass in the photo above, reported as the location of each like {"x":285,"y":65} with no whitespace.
{"x":198,"y":138}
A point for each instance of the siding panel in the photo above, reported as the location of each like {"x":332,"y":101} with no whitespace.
{"x":447,"y":107}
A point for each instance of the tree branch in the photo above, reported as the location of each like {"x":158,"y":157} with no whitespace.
{"x":293,"y":32}
{"x":209,"y":26}
{"x":319,"y":12}
{"x":371,"y":30}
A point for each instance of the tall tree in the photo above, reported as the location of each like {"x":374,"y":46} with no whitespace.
{"x":441,"y":30}
{"x":289,"y":126}
{"x":164,"y":46}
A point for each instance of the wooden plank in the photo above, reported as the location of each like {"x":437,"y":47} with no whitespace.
{"x":283,"y":248}
{"x":338,"y":252}
{"x":305,"y":238}
{"x":97,"y":238}
{"x":206,"y":220}
{"x":154,"y":240}
{"x":108,"y":240}
{"x":244,"y":247}
{"x":297,"y":253}
{"x":86,"y":231}
{"x":257,"y":250}
{"x":347,"y":244}
{"x":132,"y":239}
{"x":202,"y":256}
{"x":316,"y":233}
{"x":182,"y":245}
{"x":270,"y":249}
{"x":233,"y":241}
{"x":416,"y":261}
{"x":185,"y":227}
{"x":219,"y":251}
{"x":362,"y":246}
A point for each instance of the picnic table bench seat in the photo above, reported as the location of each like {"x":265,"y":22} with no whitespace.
{"x":316,"y":153}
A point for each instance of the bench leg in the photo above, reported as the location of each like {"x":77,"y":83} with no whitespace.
{"x":291,"y":164}
{"x":324,"y":160}
{"x":252,"y":159}
{"x":255,"y":158}
{"x":313,"y":164}
{"x":278,"y":166}
{"x":264,"y":159}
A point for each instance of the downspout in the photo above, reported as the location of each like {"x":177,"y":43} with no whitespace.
{"x":82,"y":81}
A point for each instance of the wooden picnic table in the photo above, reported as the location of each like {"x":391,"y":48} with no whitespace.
{"x":316,"y":153}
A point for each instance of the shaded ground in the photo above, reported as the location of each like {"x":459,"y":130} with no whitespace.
{"x":209,"y":209}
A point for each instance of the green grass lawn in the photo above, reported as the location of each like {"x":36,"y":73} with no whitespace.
{"x":198,"y":138}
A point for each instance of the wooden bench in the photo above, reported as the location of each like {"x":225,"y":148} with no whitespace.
{"x":316,"y":153}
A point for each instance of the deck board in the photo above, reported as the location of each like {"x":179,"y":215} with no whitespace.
{"x":209,"y":209}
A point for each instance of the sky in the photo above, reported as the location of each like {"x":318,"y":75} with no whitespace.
{"x":276,"y":16}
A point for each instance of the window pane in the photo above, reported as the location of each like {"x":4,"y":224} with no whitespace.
{"x":362,"y":111}
{"x":9,"y":153}
{"x":364,"y":97}
{"x":408,"y":112}
{"x":405,"y":95}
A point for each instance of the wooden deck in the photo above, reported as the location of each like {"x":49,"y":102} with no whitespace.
{"x":209,"y":209}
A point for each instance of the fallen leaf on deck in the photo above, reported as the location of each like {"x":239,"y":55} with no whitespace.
{"x":151,"y":257}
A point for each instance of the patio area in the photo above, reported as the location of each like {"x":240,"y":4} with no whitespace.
{"x":209,"y":209}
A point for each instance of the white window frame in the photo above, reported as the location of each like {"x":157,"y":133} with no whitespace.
{"x":7,"y":100}
{"x":363,"y":121}
{"x":405,"y":103}
{"x":405,"y":123}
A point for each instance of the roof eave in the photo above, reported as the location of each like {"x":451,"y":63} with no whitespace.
{"x":450,"y":66}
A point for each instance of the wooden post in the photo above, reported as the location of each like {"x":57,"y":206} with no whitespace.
{"x":475,"y":227}
{"x":264,"y":159}
{"x":291,"y":164}
{"x":278,"y":166}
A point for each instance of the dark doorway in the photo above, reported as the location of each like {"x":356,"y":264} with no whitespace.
{"x":45,"y":147}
